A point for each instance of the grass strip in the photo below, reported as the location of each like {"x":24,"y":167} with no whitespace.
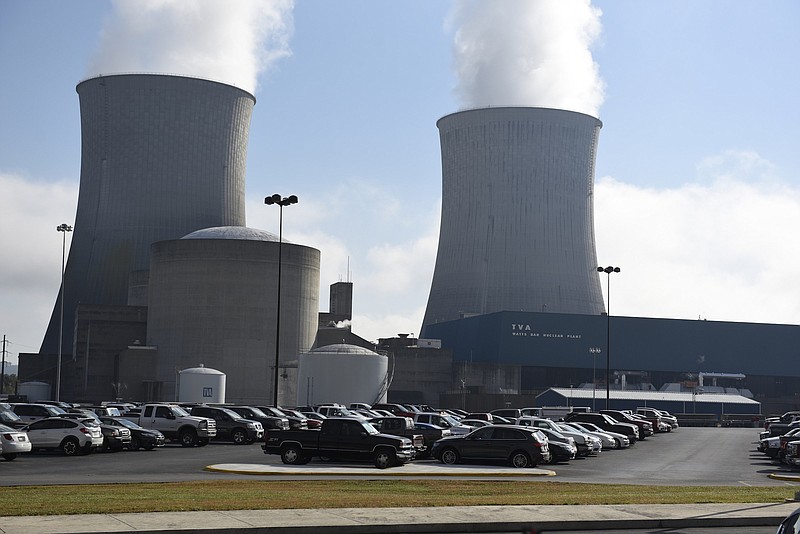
{"x":269,"y":495}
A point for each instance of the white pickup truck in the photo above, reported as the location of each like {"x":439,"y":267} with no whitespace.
{"x":175,"y":423}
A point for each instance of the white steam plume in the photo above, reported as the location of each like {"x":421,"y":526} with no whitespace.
{"x":230,"y":42}
{"x":527,"y":53}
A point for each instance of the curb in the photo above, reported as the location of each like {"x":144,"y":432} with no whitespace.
{"x":269,"y":470}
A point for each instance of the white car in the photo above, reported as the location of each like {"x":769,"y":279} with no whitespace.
{"x":607,"y":441}
{"x":13,"y":442}
{"x":70,"y":436}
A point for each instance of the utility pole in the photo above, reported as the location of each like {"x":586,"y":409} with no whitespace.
{"x":3,"y":367}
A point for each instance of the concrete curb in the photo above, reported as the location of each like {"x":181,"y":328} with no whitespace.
{"x":434,"y":470}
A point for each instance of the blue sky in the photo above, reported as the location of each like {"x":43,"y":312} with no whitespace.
{"x":697,"y":194}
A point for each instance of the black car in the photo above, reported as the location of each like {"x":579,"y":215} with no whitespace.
{"x":268,"y":420}
{"x":519,"y":446}
{"x":141,"y":438}
{"x":231,"y":425}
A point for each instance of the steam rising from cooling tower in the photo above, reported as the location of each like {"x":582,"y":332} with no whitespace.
{"x":221,"y":41}
{"x":527,"y":53}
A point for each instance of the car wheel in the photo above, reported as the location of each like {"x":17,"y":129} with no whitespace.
{"x":239,"y":436}
{"x":189,"y":438}
{"x":135,"y":445}
{"x":70,"y":446}
{"x":384,"y":458}
{"x":520,"y":459}
{"x":450,"y":456}
{"x":291,"y":455}
{"x":10,"y":456}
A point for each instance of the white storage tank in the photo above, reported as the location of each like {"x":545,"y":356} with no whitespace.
{"x":341,"y":373}
{"x":34,"y":391}
{"x":201,"y":384}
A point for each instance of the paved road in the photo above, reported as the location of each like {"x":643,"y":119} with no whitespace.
{"x":688,"y":456}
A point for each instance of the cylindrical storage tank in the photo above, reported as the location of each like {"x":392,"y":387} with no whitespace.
{"x":517,"y":223}
{"x":34,"y":391}
{"x":341,"y":373}
{"x":161,"y":156}
{"x":213,"y":298}
{"x":201,"y":384}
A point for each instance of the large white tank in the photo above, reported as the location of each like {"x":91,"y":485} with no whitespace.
{"x":34,"y":391}
{"x":201,"y":384}
{"x":341,"y":373}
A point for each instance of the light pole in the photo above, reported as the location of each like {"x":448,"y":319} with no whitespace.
{"x":608,"y":270}
{"x":64,"y":228}
{"x":281,"y":202}
{"x":594,"y":351}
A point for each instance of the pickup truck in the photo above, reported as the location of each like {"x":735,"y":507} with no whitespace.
{"x":176,"y":424}
{"x":339,"y":438}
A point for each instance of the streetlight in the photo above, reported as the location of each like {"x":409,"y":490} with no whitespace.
{"x":61,"y":228}
{"x":594,"y":351}
{"x":281,"y":202}
{"x":608,"y":270}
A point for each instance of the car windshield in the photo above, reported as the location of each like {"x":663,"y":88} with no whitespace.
{"x":4,"y":428}
{"x":127,"y":423}
{"x":293,"y":413}
{"x":180,"y":412}
{"x":369,"y":428}
{"x":7,"y":416}
{"x":258,"y":412}
{"x":451,"y":420}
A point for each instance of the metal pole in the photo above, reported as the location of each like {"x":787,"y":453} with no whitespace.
{"x":281,"y":202}
{"x":608,"y":339}
{"x":278,"y":309}
{"x":3,"y":368}
{"x":64,"y":228}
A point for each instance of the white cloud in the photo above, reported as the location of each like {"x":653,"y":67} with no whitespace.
{"x":721,"y":250}
{"x":30,"y":272}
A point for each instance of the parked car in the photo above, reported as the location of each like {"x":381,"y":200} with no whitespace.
{"x":269,"y":420}
{"x":30,"y":412}
{"x":444,"y":421}
{"x":68,"y":435}
{"x":775,"y":446}
{"x":231,"y":425}
{"x":476,"y":423}
{"x":115,"y":438}
{"x":483,"y":416}
{"x":620,"y":441}
{"x":395,"y":409}
{"x":141,"y":438}
{"x":430,"y":435}
{"x":9,"y":418}
{"x":13,"y":441}
{"x":519,"y":446}
{"x":792,"y":455}
{"x":508,"y":413}
{"x":645,"y":428}
{"x":296,"y":419}
{"x":314,"y":419}
{"x":607,"y":423}
{"x":562,"y":448}
{"x":790,"y":525}
{"x":585,"y":443}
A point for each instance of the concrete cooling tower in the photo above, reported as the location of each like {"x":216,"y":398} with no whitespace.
{"x":161,"y":156}
{"x":517,"y":228}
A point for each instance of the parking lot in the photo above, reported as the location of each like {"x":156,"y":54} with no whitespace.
{"x":686,"y":456}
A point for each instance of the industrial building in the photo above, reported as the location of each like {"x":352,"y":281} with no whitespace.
{"x":163,"y":274}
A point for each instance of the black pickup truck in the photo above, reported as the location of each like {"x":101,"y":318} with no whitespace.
{"x":339,"y":438}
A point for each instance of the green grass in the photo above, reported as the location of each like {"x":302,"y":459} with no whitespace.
{"x":265,"y":495}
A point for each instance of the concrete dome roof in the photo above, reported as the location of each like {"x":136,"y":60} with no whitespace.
{"x":233,"y":232}
{"x":343,"y":348}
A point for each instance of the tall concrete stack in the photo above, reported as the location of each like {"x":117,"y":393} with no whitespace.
{"x":517,"y":228}
{"x":161,"y":156}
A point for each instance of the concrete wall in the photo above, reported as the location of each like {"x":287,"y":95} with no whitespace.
{"x":214,"y":302}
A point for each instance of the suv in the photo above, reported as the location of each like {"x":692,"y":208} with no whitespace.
{"x":68,"y":435}
{"x":230,"y":424}
{"x":34,"y":412}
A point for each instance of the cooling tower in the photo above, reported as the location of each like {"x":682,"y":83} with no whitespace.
{"x":517,"y":229}
{"x":161,"y":156}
